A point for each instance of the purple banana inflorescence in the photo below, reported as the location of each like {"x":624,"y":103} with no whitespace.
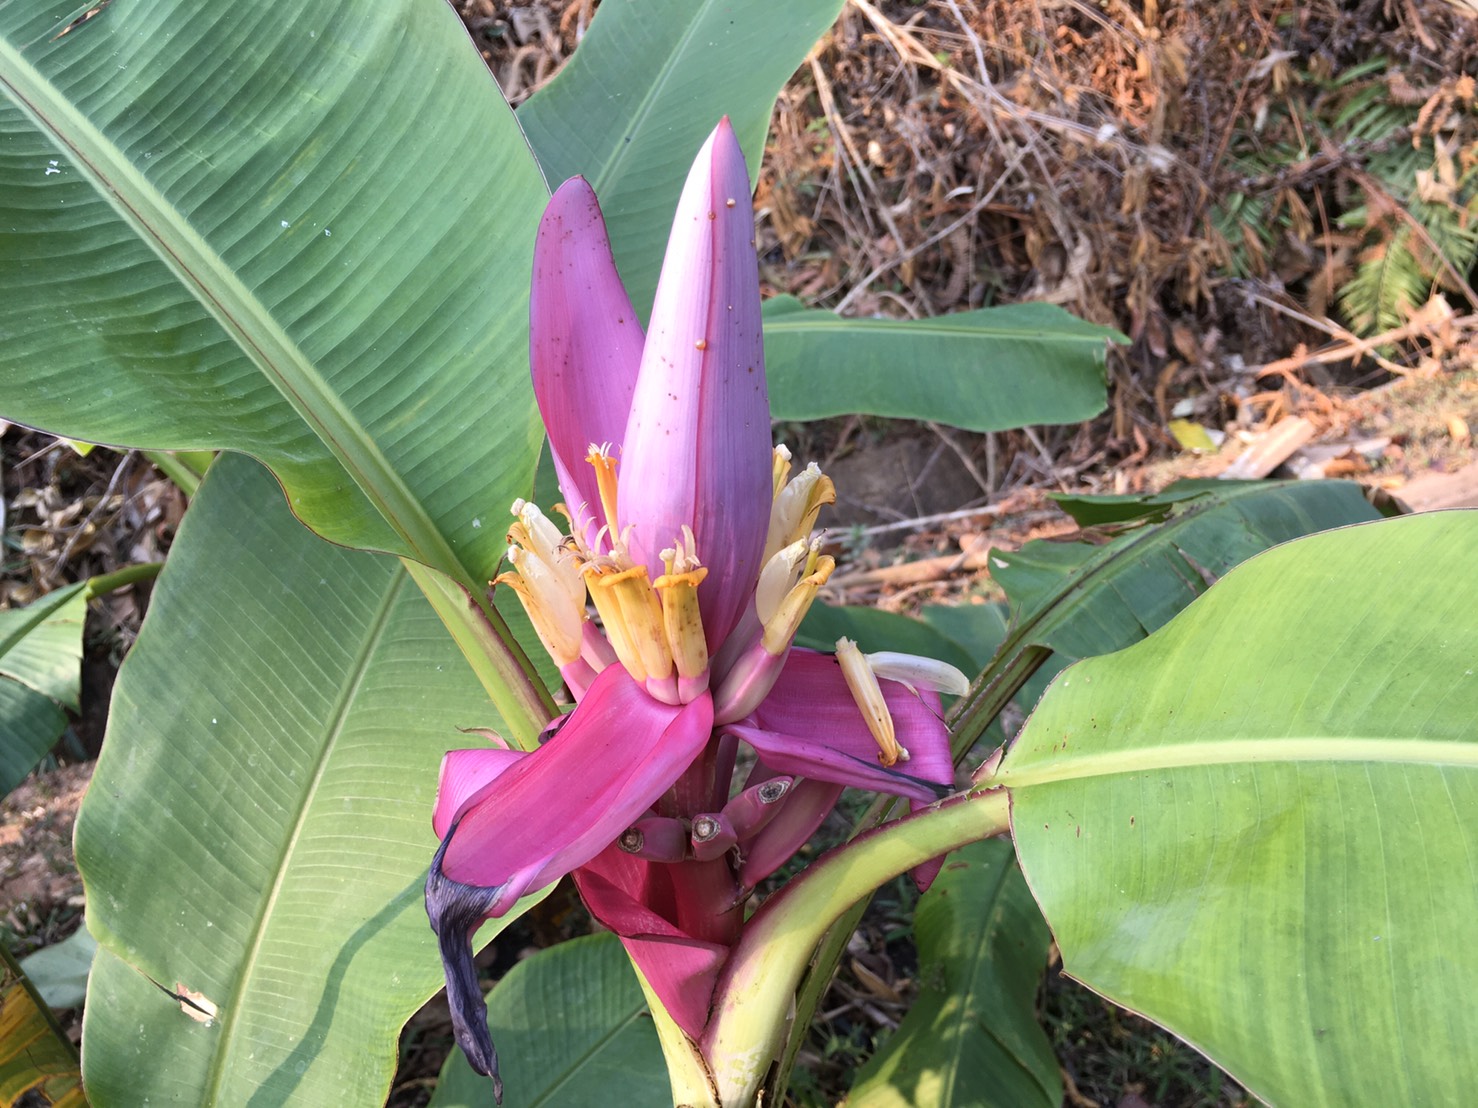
{"x":699,"y":562}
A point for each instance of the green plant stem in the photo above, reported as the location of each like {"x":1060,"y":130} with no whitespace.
{"x":503,"y":669}
{"x":808,"y":996}
{"x":765,"y":967}
{"x":993,"y":690}
{"x":176,"y":469}
{"x":105,"y":583}
{"x":971,"y":715}
{"x":687,"y":1071}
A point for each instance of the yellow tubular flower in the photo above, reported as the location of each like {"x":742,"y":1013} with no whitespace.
{"x":605,"y":481}
{"x":608,"y":606}
{"x":796,"y":507}
{"x":681,"y":619}
{"x":781,"y":627}
{"x":536,"y":533}
{"x":779,"y":576}
{"x":625,"y":599}
{"x":683,"y":622}
{"x":868,"y":694}
{"x":556,"y":620}
{"x":781,"y":466}
{"x":547,"y":582}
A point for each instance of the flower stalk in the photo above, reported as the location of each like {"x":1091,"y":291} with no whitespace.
{"x":765,"y":967}
{"x":693,"y":543}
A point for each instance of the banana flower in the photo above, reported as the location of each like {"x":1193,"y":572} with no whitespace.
{"x":700,"y":563}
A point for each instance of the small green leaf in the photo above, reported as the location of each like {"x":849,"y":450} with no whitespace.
{"x":40,"y":659}
{"x":874,"y":629}
{"x":1257,"y":825}
{"x":571,"y":1028}
{"x":1192,"y":436}
{"x":41,"y":644}
{"x":1097,"y":510}
{"x":971,"y":1037}
{"x":986,"y":370}
{"x":60,"y":971}
{"x":1082,"y":599}
{"x":979,"y":629}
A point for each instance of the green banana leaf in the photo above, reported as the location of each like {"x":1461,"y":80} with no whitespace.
{"x":874,"y":629}
{"x":571,"y":1027}
{"x":59,"y":972}
{"x":985,"y":370}
{"x":1084,"y":598}
{"x":971,"y":1036}
{"x":257,"y":833}
{"x":301,"y":231}
{"x":650,"y":80}
{"x":1257,"y":826}
{"x":40,"y":656}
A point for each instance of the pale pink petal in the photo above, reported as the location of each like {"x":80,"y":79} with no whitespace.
{"x":822,"y":761}
{"x":464,"y":773}
{"x":696,"y":449}
{"x":811,"y":726}
{"x":556,"y":809}
{"x":585,"y":341}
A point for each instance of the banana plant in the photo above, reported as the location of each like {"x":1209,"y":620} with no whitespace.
{"x":316,"y":238}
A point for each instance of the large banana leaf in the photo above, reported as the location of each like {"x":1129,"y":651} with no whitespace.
{"x":1259,"y":825}
{"x":649,"y":82}
{"x":572,"y":1029}
{"x":258,"y":829}
{"x":985,"y":370}
{"x":300,"y":230}
{"x":972,"y":1036}
{"x":1084,"y":598}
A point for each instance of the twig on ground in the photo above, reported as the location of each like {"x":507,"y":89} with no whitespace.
{"x":917,"y":248}
{"x":97,"y":509}
{"x":1350,"y":346}
{"x":920,"y":522}
{"x":963,"y":455}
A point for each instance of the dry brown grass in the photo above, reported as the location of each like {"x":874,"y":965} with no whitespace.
{"x":938,"y":155}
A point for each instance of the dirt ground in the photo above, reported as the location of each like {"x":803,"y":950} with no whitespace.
{"x":1273,"y":199}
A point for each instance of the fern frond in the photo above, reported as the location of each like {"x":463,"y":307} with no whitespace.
{"x":1390,"y":282}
